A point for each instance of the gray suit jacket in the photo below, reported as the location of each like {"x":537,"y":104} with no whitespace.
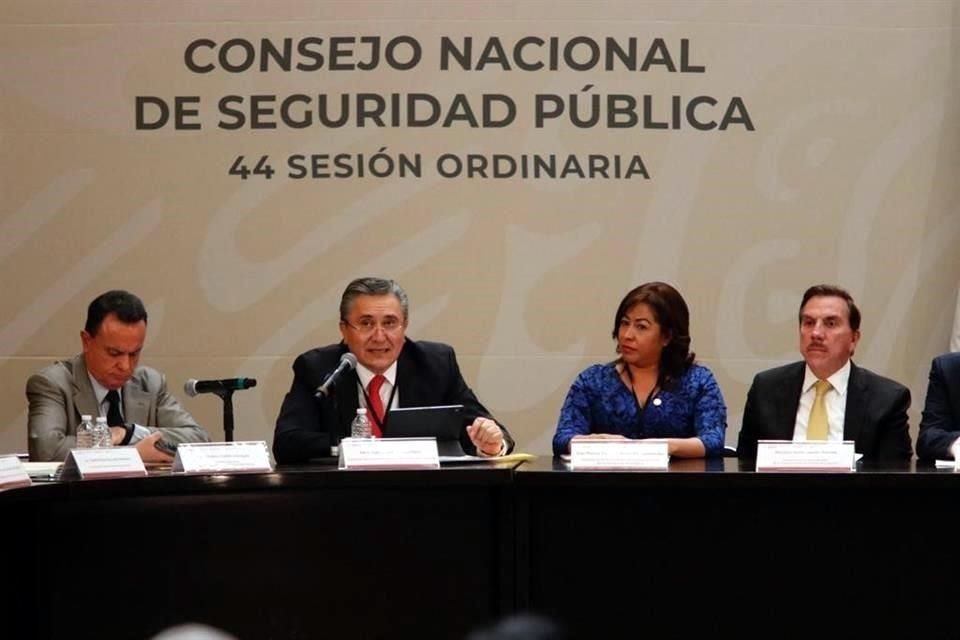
{"x":59,"y":394}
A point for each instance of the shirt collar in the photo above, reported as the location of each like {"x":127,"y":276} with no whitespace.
{"x":839,"y":379}
{"x":99,"y":390}
{"x":366,"y":375}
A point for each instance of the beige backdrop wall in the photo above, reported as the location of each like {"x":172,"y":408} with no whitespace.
{"x":849,"y":175}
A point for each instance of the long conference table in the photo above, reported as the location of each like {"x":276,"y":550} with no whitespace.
{"x":708,"y":547}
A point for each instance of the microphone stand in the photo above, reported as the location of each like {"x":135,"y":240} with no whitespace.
{"x":227,"y":396}
{"x":331,"y":398}
{"x":336,"y":433}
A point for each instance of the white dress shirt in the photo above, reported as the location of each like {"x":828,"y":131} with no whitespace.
{"x":835,"y":400}
{"x":139,"y":432}
{"x":390,"y":374}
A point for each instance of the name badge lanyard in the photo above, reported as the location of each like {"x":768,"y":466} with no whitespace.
{"x":641,"y":410}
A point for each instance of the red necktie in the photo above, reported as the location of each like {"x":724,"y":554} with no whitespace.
{"x":376,"y":404}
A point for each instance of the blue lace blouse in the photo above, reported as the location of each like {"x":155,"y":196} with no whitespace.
{"x":599,"y":402}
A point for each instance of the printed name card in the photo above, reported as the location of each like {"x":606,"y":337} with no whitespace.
{"x":13,"y":474}
{"x":952,"y":465}
{"x":389,"y":453}
{"x":222,"y":457}
{"x":601,"y":455}
{"x":816,"y":455}
{"x":104,"y":462}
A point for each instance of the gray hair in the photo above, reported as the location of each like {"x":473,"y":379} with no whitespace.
{"x":372,"y":287}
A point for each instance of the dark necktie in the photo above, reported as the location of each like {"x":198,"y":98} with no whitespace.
{"x":376,"y":404}
{"x":114,"y":418}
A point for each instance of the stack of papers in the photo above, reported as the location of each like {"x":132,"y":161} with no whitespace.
{"x":512,"y":457}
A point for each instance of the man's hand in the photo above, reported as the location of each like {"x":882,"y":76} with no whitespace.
{"x":955,"y":449}
{"x":148,"y":450}
{"x":486,"y":436}
{"x":117,"y":434}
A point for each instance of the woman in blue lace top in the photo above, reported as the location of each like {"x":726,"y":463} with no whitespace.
{"x":653,"y":389}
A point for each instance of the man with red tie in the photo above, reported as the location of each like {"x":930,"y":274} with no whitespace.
{"x":392,"y":371}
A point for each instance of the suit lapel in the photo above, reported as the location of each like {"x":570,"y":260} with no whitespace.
{"x":854,"y":413}
{"x":136,"y":402}
{"x":788,"y":401}
{"x":84,"y":398}
{"x":408,"y":382}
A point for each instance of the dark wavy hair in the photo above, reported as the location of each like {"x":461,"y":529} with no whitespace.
{"x":673,"y":316}
{"x":832,"y":291}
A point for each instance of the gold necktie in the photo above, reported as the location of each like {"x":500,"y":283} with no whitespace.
{"x":817,"y":426}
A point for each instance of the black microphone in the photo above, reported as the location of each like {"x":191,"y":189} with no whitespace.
{"x":192,"y":387}
{"x":347,"y":363}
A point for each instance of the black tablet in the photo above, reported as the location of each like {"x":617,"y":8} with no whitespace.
{"x":443,"y":422}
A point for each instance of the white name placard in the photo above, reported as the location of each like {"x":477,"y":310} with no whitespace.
{"x":104,"y":462}
{"x":13,"y":474}
{"x":222,"y":457}
{"x":389,"y":453}
{"x":619,"y":454}
{"x":816,"y":455}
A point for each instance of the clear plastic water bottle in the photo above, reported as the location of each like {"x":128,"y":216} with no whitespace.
{"x":101,"y":433}
{"x":85,"y":432}
{"x":360,"y":428}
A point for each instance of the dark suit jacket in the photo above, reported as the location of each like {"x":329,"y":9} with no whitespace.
{"x":60,"y":393}
{"x":875,"y":418}
{"x":427,"y":375}
{"x":940,"y":424}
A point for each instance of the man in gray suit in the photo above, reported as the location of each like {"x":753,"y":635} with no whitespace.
{"x":105,"y":380}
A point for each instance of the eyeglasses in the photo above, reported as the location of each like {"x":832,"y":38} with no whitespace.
{"x":367,"y":326}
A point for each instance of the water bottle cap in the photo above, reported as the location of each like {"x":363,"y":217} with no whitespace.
{"x":361,"y":411}
{"x":86,"y":417}
{"x":101,"y":419}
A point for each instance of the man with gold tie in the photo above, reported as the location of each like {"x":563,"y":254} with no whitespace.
{"x":826,"y":396}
